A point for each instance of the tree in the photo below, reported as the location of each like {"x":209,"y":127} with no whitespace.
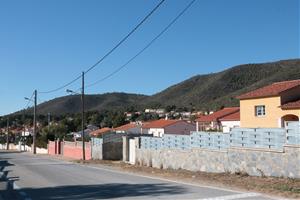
{"x":170,"y":108}
{"x":119,"y":120}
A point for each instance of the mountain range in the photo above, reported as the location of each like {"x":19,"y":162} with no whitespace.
{"x":202,"y":92}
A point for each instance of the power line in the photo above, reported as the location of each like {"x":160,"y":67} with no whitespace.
{"x":61,"y":87}
{"x":146,"y":47}
{"x":29,"y":100}
{"x":111,"y":51}
{"x":127,"y":36}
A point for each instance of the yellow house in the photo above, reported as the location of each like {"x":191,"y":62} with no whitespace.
{"x":271,"y":106}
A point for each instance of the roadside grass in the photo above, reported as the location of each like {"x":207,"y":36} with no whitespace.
{"x":282,"y":187}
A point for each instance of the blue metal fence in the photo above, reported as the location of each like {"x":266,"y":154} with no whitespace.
{"x":264,"y":138}
{"x":293,"y":133}
{"x":209,"y":140}
{"x":97,"y":141}
{"x":176,"y":141}
{"x":258,"y":138}
{"x":151,"y":143}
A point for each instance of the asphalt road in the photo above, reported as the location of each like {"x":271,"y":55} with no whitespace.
{"x":36,"y":177}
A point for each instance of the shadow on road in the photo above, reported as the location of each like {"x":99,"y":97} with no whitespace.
{"x":105,"y":191}
{"x":6,"y":184}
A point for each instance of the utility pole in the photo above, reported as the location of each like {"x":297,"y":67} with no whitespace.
{"x":7,"y":135}
{"x":34,"y":123}
{"x":83,"y":120}
{"x":24,"y":129}
{"x":49,"y":118}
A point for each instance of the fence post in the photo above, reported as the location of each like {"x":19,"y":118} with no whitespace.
{"x":125,"y":149}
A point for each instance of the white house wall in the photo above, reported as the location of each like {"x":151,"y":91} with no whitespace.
{"x":157,"y":132}
{"x":228,"y":125}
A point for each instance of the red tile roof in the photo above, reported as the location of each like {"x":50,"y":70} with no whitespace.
{"x":291,"y":105}
{"x":218,"y":114}
{"x":160,"y":123}
{"x":125,"y":127}
{"x":231,"y":117}
{"x":271,"y":90}
{"x":100,"y":131}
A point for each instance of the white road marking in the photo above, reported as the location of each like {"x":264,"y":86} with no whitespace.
{"x":232,"y":197}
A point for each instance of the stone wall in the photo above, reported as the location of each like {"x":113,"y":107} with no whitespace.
{"x":254,"y":162}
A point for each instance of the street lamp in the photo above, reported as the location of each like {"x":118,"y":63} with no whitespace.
{"x":82,"y":114}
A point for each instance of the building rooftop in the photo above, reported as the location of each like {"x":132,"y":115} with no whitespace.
{"x":291,"y":105}
{"x":271,"y":90}
{"x":100,"y":131}
{"x":160,"y":123}
{"x":125,"y":127}
{"x":218,"y":114}
{"x":231,"y":117}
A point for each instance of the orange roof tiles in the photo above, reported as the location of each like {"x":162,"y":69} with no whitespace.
{"x":271,"y":90}
{"x":231,"y":117}
{"x":291,"y":105}
{"x":101,"y":131}
{"x":125,"y":127}
{"x":218,"y":114}
{"x":159,"y":123}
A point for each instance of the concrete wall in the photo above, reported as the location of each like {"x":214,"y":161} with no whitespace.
{"x":20,"y":147}
{"x":233,"y":160}
{"x":97,"y":148}
{"x":11,"y":146}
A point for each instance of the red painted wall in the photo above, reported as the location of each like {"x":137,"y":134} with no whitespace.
{"x":52,"y":147}
{"x":74,"y":150}
{"x":69,"y":149}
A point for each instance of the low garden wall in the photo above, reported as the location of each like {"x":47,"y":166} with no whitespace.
{"x":254,"y":162}
{"x":69,"y":149}
{"x":74,"y":150}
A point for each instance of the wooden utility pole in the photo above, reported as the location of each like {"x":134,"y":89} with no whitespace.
{"x":24,"y":130}
{"x":7,"y":135}
{"x":83,"y":120}
{"x":34,"y":123}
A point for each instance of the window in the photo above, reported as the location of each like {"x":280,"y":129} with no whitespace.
{"x":260,"y":111}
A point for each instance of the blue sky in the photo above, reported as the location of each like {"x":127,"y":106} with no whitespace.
{"x":44,"y":44}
